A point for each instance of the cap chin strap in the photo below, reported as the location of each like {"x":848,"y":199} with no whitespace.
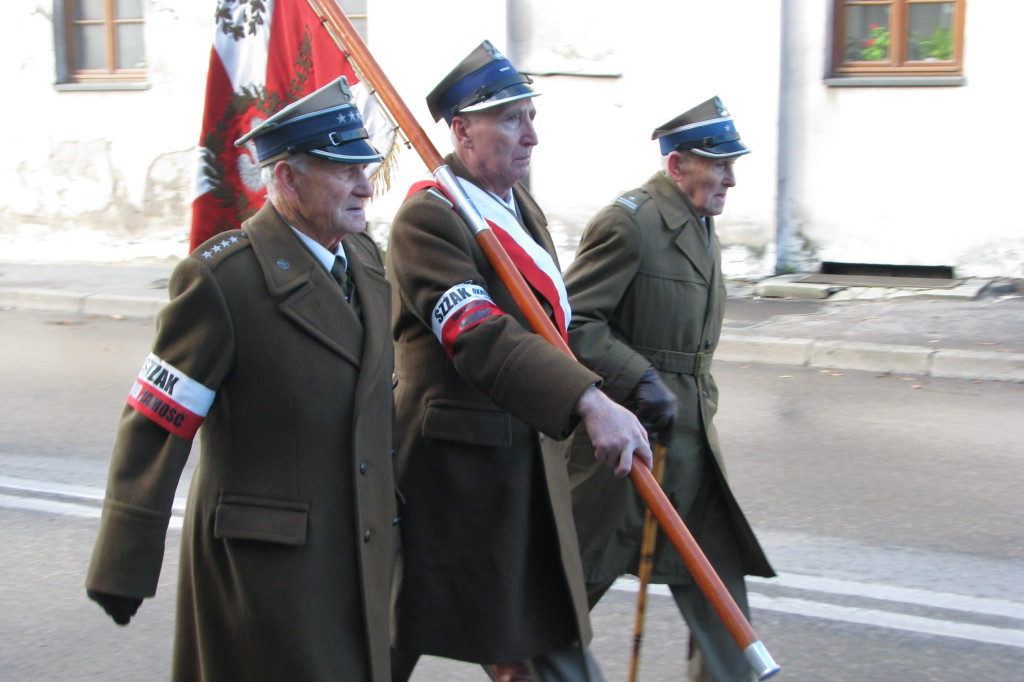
{"x":331,"y":139}
{"x":706,"y":142}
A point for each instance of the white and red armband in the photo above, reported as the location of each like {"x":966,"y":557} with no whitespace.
{"x":170,"y":398}
{"x":460,"y":308}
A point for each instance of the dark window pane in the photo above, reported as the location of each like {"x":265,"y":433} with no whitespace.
{"x":89,"y":10}
{"x":128,"y":9}
{"x":130,"y":53}
{"x":90,"y":47}
{"x":867,"y":33}
{"x":930,"y":33}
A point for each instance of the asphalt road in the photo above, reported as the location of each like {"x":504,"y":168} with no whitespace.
{"x":889,"y":505}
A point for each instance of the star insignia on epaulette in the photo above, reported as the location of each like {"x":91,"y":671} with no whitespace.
{"x":222,"y":245}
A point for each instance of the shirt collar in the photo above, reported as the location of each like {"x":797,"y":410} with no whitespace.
{"x":321,"y":253}
{"x":510,"y":204}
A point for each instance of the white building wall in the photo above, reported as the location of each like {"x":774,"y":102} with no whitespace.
{"x":920,"y":175}
{"x":671,"y":57}
{"x":416,"y":44}
{"x":911,"y":175}
{"x":637,"y":67}
{"x":101,"y":164}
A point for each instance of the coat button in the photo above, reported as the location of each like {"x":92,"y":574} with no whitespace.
{"x":704,"y":393}
{"x":394,"y":521}
{"x":362,"y":467}
{"x":366,"y":536}
{"x":707,"y":343}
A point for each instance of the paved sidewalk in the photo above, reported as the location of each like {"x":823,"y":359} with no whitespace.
{"x":974,"y":330}
{"x":85,"y":288}
{"x":971,"y":331}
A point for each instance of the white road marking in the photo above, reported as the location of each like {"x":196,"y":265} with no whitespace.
{"x":942,"y":627}
{"x":83,"y":502}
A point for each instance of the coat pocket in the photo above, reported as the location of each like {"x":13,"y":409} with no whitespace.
{"x":257,"y":518}
{"x":465,"y":422}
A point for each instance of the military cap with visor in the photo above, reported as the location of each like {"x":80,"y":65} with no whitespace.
{"x":484,"y":79}
{"x":325,"y":123}
{"x":706,"y":130}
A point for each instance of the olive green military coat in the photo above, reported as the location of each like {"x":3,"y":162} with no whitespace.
{"x":646,"y":289}
{"x":489,"y":568}
{"x":289,"y":531}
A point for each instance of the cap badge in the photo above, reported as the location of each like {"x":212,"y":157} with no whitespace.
{"x":493,"y":51}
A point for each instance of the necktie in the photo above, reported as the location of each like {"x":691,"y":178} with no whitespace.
{"x":340,"y":273}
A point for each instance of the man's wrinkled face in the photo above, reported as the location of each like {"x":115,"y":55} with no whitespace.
{"x":705,"y":181}
{"x":499,"y":143}
{"x":331,"y":198}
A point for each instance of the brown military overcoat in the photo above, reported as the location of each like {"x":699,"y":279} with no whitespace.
{"x":646,"y":289}
{"x":490,"y":567}
{"x":289,"y":530}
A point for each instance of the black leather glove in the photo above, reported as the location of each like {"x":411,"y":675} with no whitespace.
{"x":121,"y":609}
{"x":655,"y":406}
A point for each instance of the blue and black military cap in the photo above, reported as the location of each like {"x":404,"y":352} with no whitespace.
{"x":706,"y":130}
{"x":484,"y":79}
{"x":325,"y":123}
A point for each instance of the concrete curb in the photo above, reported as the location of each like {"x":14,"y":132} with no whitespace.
{"x":801,"y":352}
{"x":789,"y":286}
{"x":873,"y":357}
{"x":80,"y":303}
{"x":976,"y":364}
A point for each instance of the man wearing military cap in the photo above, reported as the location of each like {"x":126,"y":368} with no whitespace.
{"x":647,"y":297}
{"x":290,"y":527}
{"x":490,"y":568}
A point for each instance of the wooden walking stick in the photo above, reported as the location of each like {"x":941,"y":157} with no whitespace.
{"x":646,"y":565}
{"x":344,"y":34}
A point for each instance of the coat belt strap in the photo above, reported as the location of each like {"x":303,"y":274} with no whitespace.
{"x":674,"y":362}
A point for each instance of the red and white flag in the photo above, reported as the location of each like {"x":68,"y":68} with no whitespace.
{"x":266,"y":54}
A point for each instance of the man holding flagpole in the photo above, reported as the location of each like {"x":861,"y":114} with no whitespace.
{"x":489,"y":571}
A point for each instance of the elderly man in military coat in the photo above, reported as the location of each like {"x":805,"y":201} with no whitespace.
{"x":648,"y":298}
{"x":289,"y":532}
{"x":489,"y":567}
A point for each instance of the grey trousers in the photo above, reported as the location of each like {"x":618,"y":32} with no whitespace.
{"x":714,"y":655}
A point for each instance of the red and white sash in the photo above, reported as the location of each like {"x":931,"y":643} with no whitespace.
{"x":536,"y":264}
